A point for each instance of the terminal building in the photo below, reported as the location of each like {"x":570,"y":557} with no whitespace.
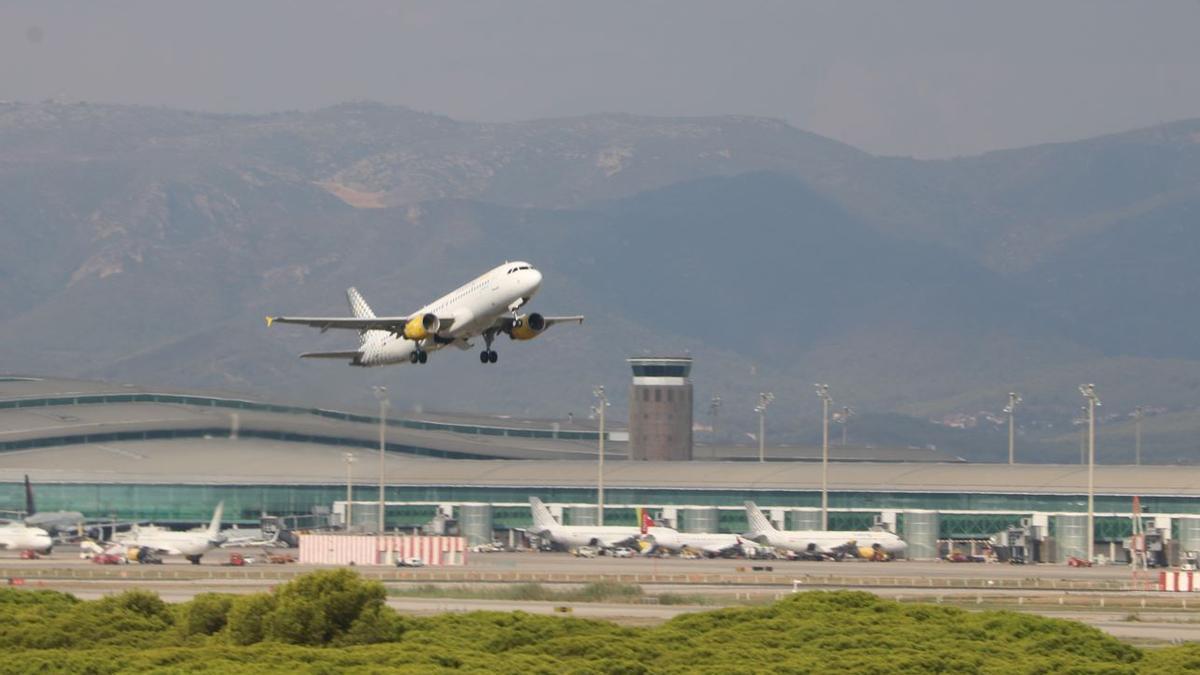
{"x":130,"y":453}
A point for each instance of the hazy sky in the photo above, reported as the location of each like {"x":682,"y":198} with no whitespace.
{"x":919,"y":78}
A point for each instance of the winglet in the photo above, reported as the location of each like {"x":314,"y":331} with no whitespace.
{"x":270,"y":320}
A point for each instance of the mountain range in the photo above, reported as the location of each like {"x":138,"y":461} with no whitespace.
{"x":145,"y":245}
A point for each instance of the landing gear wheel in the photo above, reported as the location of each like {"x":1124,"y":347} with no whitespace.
{"x":492,"y":356}
{"x":414,"y":357}
{"x":483,"y":356}
{"x":422,"y":356}
{"x":194,"y":559}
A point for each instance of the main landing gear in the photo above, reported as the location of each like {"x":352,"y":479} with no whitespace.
{"x":418,"y":357}
{"x":488,"y":355}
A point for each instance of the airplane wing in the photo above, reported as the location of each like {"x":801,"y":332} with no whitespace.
{"x":394,"y":324}
{"x":331,"y":355}
{"x":617,"y":541}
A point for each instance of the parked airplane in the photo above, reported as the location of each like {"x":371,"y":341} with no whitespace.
{"x":57,"y":523}
{"x":705,"y":543}
{"x":572,"y":536}
{"x":485,"y":307}
{"x":823,"y":543}
{"x":191,"y":545}
{"x":21,"y":537}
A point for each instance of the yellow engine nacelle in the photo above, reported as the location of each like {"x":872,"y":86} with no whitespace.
{"x":528,"y":326}
{"x":421,"y":327}
{"x":875,"y":553}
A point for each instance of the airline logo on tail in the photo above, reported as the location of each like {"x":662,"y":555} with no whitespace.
{"x":646,"y":520}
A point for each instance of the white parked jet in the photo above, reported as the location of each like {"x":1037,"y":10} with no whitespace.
{"x":485,"y":307}
{"x":709,"y":544}
{"x":21,"y":537}
{"x":191,"y":545}
{"x":822,"y":543}
{"x":573,"y":536}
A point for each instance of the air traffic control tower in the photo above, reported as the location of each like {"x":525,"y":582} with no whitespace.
{"x":660,"y":409}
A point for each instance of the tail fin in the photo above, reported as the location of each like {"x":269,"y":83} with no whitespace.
{"x":29,"y":509}
{"x":542,"y":520}
{"x":214,"y":526}
{"x":759,"y":524}
{"x":647,"y":521}
{"x":360,"y":309}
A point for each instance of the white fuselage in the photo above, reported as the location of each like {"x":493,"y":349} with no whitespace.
{"x":168,"y":541}
{"x":828,"y":541}
{"x":474,"y":306}
{"x":20,"y":537}
{"x":710,"y":543}
{"x":603,"y":536}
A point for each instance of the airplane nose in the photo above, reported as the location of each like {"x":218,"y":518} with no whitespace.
{"x":535,"y":278}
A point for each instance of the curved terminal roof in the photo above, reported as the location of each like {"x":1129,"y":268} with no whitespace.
{"x":257,"y":461}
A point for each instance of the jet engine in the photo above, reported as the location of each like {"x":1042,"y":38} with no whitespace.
{"x":528,"y":326}
{"x":421,"y":327}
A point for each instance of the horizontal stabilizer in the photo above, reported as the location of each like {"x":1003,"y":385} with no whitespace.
{"x":331,"y":355}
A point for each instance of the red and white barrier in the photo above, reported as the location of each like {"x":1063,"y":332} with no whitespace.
{"x":357,"y":549}
{"x":1179,"y":582}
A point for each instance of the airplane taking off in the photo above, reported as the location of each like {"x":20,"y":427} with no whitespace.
{"x":708,"y":544}
{"x":572,"y":536}
{"x":823,"y":543}
{"x":485,"y":307}
{"x":21,"y":537}
{"x":191,"y":545}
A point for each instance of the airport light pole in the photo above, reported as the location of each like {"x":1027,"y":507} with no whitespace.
{"x":1010,"y":410}
{"x":823,"y":392}
{"x":381,"y":393}
{"x":764,"y":401}
{"x":714,"y":407}
{"x":601,"y":404}
{"x":349,"y":458}
{"x":1137,"y":435}
{"x":844,"y":420}
{"x":1089,"y":393}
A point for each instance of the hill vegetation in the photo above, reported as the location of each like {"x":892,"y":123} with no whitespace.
{"x":333,"y":621}
{"x":144,"y":245}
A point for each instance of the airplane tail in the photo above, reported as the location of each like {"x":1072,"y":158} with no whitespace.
{"x":29,"y":508}
{"x":646,"y":520}
{"x":214,"y":526}
{"x":759,"y":523}
{"x":360,"y":309}
{"x":542,"y":520}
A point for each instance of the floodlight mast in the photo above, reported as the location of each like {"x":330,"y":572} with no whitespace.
{"x":1138,"y":412}
{"x":601,"y":404}
{"x":844,"y":420}
{"x":714,"y":407}
{"x":1088,"y":391}
{"x":381,"y":394}
{"x":823,"y":392}
{"x":1010,"y":410}
{"x":349,"y":458}
{"x":764,"y":401}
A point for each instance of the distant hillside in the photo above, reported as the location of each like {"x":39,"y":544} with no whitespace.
{"x":145,"y":244}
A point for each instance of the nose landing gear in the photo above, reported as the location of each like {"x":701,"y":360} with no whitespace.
{"x":418,"y":357}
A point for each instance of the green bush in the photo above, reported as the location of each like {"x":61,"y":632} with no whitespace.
{"x":336,"y":622}
{"x":246,"y":617}
{"x":206,"y":614}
